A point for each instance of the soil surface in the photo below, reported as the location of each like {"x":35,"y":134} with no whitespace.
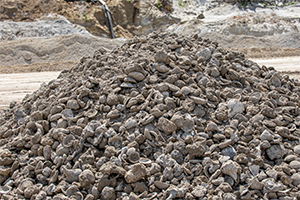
{"x":286,"y":64}
{"x":14,"y":87}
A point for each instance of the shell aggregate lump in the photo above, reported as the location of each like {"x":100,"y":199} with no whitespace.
{"x":161,"y":117}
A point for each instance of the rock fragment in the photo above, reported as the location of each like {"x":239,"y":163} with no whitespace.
{"x":166,"y":126}
{"x":137,"y":172}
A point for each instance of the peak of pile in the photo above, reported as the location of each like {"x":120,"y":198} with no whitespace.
{"x":161,"y":117}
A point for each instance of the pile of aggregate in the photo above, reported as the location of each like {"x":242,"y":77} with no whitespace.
{"x":161,"y":117}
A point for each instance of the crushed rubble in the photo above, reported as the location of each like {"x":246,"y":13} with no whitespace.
{"x":161,"y":117}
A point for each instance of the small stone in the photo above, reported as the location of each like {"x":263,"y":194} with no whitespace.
{"x":200,"y":16}
{"x":166,"y":126}
{"x":199,"y":191}
{"x":229,"y":151}
{"x":177,"y":120}
{"x":130,"y":123}
{"x":297,"y":149}
{"x":137,"y":172}
{"x":185,"y":90}
{"x":230,"y":169}
{"x":235,"y":107}
{"x":255,"y":184}
{"x":199,"y":100}
{"x":196,"y":149}
{"x":137,"y":76}
{"x":126,"y":85}
{"x":162,"y":56}
{"x":212,"y":126}
{"x":30,"y":191}
{"x":161,"y":185}
{"x":296,"y":179}
{"x":113,"y":114}
{"x":276,"y":151}
{"x":133,"y":196}
{"x":108,"y":193}
{"x":254,"y":169}
{"x":283,"y":131}
{"x":290,"y":158}
{"x":206,"y":53}
{"x":225,"y":187}
{"x":295,"y":164}
{"x":72,"y":104}
{"x":153,"y":79}
{"x":275,"y":81}
{"x":140,"y":187}
{"x":86,"y":178}
{"x":214,"y":72}
{"x":162,"y":68}
{"x":266,"y":135}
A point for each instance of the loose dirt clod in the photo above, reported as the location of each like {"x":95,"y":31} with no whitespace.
{"x":161,"y":117}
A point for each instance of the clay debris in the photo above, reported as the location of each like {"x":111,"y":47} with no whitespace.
{"x":161,"y":117}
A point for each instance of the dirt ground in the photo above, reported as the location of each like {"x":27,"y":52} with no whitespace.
{"x":286,"y":64}
{"x":14,"y":87}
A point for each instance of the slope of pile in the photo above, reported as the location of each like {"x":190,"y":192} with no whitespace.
{"x":161,"y":117}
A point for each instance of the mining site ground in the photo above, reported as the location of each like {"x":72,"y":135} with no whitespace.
{"x":267,"y":35}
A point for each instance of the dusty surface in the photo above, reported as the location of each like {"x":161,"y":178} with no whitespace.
{"x":37,"y":67}
{"x":44,"y":27}
{"x":268,"y":52}
{"x":287,"y":64}
{"x":256,"y":31}
{"x":61,"y":48}
{"x":49,"y":45}
{"x":14,"y":87}
{"x":39,"y":36}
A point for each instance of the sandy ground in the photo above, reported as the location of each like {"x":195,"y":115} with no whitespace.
{"x":287,"y":64}
{"x":14,"y":87}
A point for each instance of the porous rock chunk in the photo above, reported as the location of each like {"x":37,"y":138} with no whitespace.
{"x":197,"y":149}
{"x":162,"y":56}
{"x":166,"y":126}
{"x":137,"y":172}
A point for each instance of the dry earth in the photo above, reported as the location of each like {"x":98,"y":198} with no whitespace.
{"x":14,"y":87}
